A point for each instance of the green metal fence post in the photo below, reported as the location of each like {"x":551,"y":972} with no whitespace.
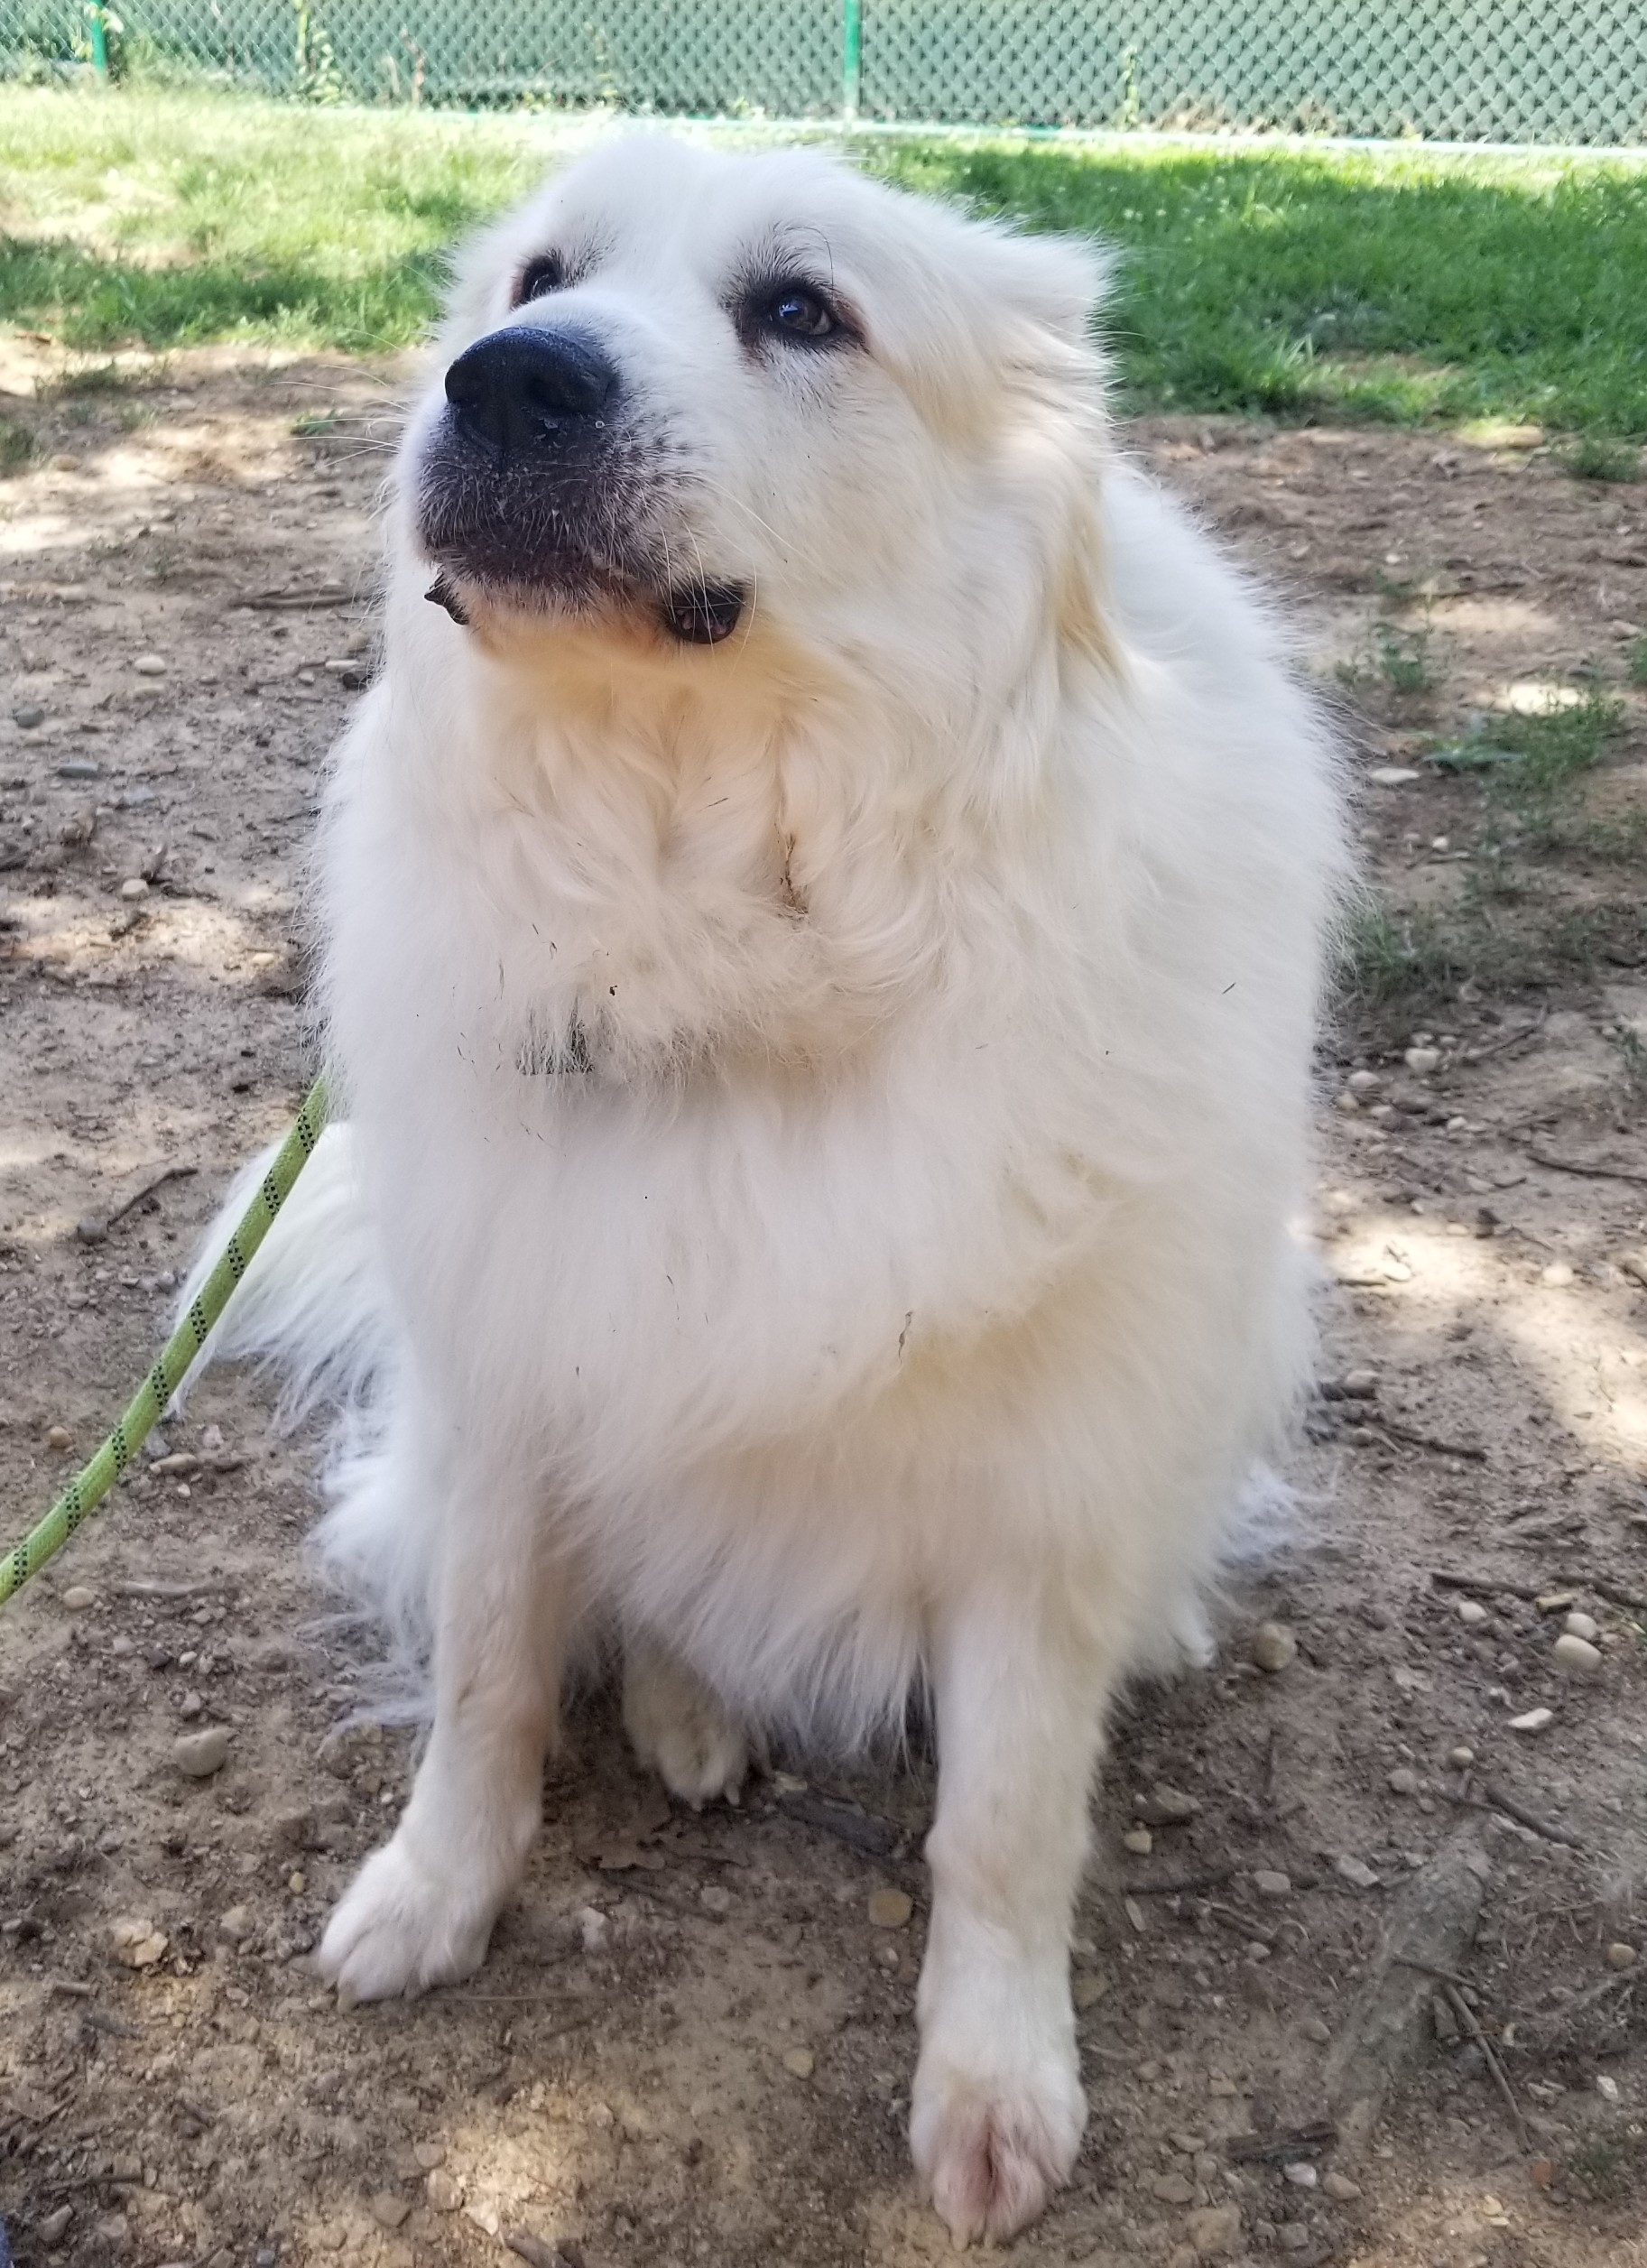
{"x":94,"y":35}
{"x":851,"y":55}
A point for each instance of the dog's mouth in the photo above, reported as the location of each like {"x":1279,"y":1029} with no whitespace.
{"x":695,"y":613}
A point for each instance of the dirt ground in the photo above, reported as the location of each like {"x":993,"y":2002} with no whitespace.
{"x":692,"y":2043}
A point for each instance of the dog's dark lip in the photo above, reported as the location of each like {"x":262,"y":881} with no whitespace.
{"x":694,"y":614}
{"x":703,"y":614}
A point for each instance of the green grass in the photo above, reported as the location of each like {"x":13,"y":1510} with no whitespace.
{"x":1596,"y":456}
{"x":1393,"y":285}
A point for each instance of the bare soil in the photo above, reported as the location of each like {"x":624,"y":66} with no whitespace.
{"x":174,"y":2087}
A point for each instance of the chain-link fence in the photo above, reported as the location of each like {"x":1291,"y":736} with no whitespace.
{"x":1474,"y":70}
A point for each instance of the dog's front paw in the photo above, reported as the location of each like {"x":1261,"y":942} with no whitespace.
{"x":401,"y":1927}
{"x":991,"y":2146}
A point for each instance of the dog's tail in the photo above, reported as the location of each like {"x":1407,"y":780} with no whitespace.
{"x":311,"y":1304}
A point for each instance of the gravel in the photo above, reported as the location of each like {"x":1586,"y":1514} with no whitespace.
{"x":1274,"y":1647}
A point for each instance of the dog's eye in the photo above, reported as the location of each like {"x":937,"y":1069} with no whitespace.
{"x":798,"y":312}
{"x":546,"y":272}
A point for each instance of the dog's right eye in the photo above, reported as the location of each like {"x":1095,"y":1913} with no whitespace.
{"x":546,"y":272}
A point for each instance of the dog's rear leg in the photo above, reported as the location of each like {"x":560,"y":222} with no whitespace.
{"x":998,"y":2109}
{"x":420,"y":1909}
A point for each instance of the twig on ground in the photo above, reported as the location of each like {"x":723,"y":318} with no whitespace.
{"x":1430,"y":1441}
{"x":1480,"y":1586}
{"x":1495,"y":1798}
{"x":1592,"y":1169}
{"x":1233,"y":1919}
{"x":1501,"y":1046}
{"x":172,"y":1173}
{"x":1180,"y":1885}
{"x":145,"y":1589}
{"x":1252,"y":2150}
{"x":1466,"y":2017}
{"x":1428,"y":1969}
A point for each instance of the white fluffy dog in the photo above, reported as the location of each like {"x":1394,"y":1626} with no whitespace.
{"x":824,"y":918}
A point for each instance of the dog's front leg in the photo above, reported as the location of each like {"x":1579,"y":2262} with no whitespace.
{"x":420,"y":1909}
{"x":998,"y":2108}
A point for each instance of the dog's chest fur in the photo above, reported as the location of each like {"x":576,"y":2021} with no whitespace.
{"x":668,"y":890}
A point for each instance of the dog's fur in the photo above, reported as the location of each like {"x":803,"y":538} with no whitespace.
{"x":826,"y":1106}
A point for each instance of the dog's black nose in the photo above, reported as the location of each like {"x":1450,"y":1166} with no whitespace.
{"x":522,"y":388}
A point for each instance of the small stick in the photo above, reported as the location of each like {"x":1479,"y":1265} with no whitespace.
{"x":1591,"y":1172}
{"x":1178,"y":1885}
{"x":172,"y":1173}
{"x":1428,"y":1969}
{"x":145,"y":1589}
{"x":1430,"y":1441}
{"x":96,"y":2020}
{"x":1481,"y":1585}
{"x":1466,"y":2017}
{"x":1233,"y":1919}
{"x":1498,"y":1800}
{"x":1249,"y":2149}
{"x":69,"y":1989}
{"x":1509,"y":1040}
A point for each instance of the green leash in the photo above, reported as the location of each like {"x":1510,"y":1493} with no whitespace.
{"x":177,"y":1358}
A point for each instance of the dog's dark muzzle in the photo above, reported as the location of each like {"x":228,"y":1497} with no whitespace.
{"x":537,"y":481}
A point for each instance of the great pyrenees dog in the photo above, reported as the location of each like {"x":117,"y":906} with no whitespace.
{"x":823,"y":917}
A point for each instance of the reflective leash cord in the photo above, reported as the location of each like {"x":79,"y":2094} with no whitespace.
{"x":177,"y":1358}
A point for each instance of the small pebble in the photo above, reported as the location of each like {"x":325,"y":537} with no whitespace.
{"x":55,"y":2226}
{"x":1576,"y":1655}
{"x":1165,"y":1806}
{"x":1585,"y":1626}
{"x":1557,"y":1275}
{"x":1137,"y":1839}
{"x":1340,"y":2188}
{"x":297,"y":1882}
{"x":1421,"y":1060}
{"x":1172,"y":2189}
{"x":429,"y":2154}
{"x":1533,"y":1721}
{"x":234,"y":1925}
{"x":799,"y":2063}
{"x":1269,"y":1883}
{"x":137,"y":1944}
{"x":28,"y":714}
{"x":77,"y":1598}
{"x":1314,"y":2028}
{"x":197,"y":1755}
{"x":1606,"y":2087}
{"x":388,"y":2210}
{"x":1620,"y":1957}
{"x":1471,"y":1613}
{"x":713,"y":1899}
{"x":1213,"y":2232}
{"x":1403,"y":1780}
{"x":1274,"y":1647}
{"x":1354,"y":1870}
{"x":1391,"y":775}
{"x":1461,"y":1759}
{"x":1301,"y":2173}
{"x":1364,"y":1082}
{"x":1089,"y":1989}
{"x":133,"y":886}
{"x":890,"y":1909}
{"x":154,"y":665}
{"x":58,"y":1440}
{"x":1360,"y":1385}
{"x":441,"y":2190}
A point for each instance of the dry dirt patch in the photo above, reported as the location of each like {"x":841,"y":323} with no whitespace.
{"x":693,"y":2042}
